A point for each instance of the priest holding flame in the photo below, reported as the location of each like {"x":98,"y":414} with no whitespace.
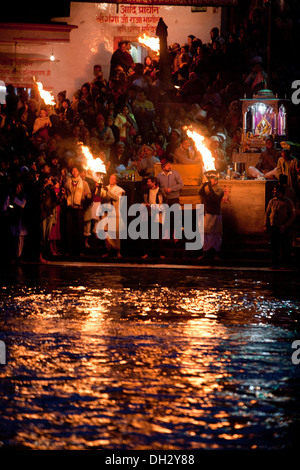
{"x":76,"y":193}
{"x":211,"y":195}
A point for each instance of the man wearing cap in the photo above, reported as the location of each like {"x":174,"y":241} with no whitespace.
{"x":146,"y":161}
{"x":170,"y":182}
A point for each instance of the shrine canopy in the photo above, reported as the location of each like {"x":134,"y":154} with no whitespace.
{"x":193,"y":3}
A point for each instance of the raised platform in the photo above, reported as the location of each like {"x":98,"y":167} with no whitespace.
{"x":243,"y":206}
{"x":244,"y":203}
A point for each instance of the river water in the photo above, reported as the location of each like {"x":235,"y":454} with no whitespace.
{"x":116,"y":358}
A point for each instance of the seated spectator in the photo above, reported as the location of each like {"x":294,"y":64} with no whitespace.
{"x":212,"y":102}
{"x":173,"y":144}
{"x":55,"y":167}
{"x":85,"y":94}
{"x":233,"y":118}
{"x":95,"y":148}
{"x":143,"y":110}
{"x":186,"y":153}
{"x":267,"y":163}
{"x":42,"y":124}
{"x":197,"y":114}
{"x":182,"y":74}
{"x":115,"y":130}
{"x":149,"y":67}
{"x":126,"y":123}
{"x":146,"y":161}
{"x":68,"y":112}
{"x":192,"y":89}
{"x":99,"y":80}
{"x":139,"y":79}
{"x":118,"y":156}
{"x":75,"y":101}
{"x":190,"y":39}
{"x":234,"y":144}
{"x":31,"y":115}
{"x":257,"y":79}
{"x":174,"y":53}
{"x":159,"y":146}
{"x":105,"y":135}
{"x":61,"y":96}
{"x":218,"y":154}
{"x":214,"y":36}
{"x":165,"y":128}
{"x":135,"y":147}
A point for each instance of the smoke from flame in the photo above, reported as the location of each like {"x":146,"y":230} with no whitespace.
{"x":47,"y":96}
{"x":150,"y":42}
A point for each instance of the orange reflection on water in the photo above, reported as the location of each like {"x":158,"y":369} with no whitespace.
{"x":138,"y":367}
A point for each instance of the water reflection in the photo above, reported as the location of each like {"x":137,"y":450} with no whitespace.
{"x":148,"y":360}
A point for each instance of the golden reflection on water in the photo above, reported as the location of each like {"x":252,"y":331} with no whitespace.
{"x":151,"y":367}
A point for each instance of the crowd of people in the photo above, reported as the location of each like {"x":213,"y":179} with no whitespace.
{"x":49,"y":199}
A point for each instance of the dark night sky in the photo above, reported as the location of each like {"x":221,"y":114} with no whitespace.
{"x":34,"y":11}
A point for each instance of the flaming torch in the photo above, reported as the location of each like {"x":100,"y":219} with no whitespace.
{"x":47,"y":96}
{"x":208,"y":159}
{"x":149,"y":42}
{"x":95,"y":165}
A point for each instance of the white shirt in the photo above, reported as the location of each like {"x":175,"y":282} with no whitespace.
{"x":152,"y":195}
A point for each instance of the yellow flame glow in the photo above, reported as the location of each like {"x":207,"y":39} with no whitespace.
{"x":150,"y":42}
{"x":47,"y":96}
{"x":208,"y":159}
{"x":94,"y":164}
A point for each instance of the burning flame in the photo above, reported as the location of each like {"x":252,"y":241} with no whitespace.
{"x":150,"y":42}
{"x":208,"y":160}
{"x":47,"y":96}
{"x":96,"y":165}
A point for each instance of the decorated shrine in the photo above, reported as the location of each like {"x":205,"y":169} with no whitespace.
{"x":263,"y":115}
